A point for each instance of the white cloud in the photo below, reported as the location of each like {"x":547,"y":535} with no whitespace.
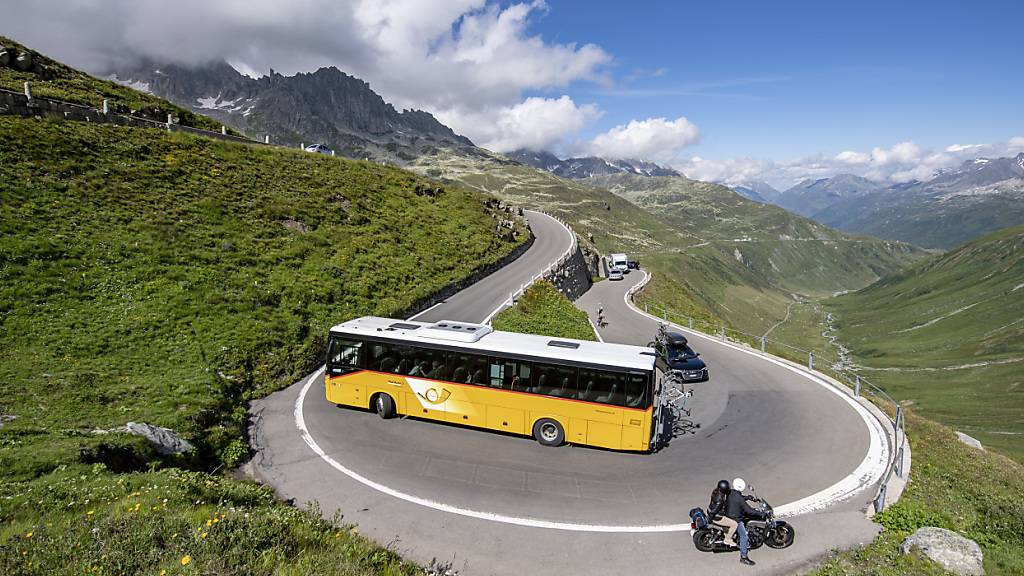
{"x":963,"y":147}
{"x":899,"y":153}
{"x":850,"y":157}
{"x":454,"y":58}
{"x":535,"y":124}
{"x":901,"y":162}
{"x":655,"y":139}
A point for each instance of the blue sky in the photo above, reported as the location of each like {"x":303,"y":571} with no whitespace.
{"x":730,"y":92}
{"x":779,"y":80}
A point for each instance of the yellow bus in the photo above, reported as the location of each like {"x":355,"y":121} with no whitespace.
{"x":557,"y":390}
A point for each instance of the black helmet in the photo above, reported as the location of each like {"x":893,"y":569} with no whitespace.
{"x":724,"y":487}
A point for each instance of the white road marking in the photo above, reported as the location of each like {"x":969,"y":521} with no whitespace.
{"x":867,"y":473}
{"x":300,"y":423}
{"x":870,"y":470}
{"x":596,"y":333}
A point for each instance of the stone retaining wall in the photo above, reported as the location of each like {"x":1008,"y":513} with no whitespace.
{"x":15,"y":104}
{"x":573,"y":276}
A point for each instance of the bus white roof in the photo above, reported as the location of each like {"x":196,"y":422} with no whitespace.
{"x":599,"y":353}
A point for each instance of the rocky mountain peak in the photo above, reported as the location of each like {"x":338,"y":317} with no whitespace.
{"x":587,"y":166}
{"x":326,"y":105}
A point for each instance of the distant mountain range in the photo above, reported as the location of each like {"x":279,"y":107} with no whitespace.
{"x":757,"y":191}
{"x":326,"y":106}
{"x":953,"y":207}
{"x":586,"y":167}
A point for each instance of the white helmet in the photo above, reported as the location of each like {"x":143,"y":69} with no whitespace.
{"x":739,"y":484}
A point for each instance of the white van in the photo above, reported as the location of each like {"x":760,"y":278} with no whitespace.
{"x":620,"y":262}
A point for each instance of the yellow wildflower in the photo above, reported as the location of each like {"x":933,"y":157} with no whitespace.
{"x":203,"y":535}
{"x":209,"y":523}
{"x":185,"y":560}
{"x":29,"y":534}
{"x":90,"y":512}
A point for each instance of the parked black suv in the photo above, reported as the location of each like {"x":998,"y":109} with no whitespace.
{"x":680,"y":357}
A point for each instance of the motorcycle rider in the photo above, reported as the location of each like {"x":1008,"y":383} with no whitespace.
{"x":736,"y":507}
{"x":716,"y":511}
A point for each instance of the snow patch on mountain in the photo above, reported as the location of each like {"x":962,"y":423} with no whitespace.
{"x":133,"y":84}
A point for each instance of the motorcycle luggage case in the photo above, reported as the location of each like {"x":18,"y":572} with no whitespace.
{"x":698,"y":518}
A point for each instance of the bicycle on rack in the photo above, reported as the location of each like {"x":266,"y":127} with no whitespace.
{"x":675,"y":412}
{"x":661,"y":337}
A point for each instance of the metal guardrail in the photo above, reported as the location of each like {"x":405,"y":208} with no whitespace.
{"x":822,"y":362}
{"x":550,"y":269}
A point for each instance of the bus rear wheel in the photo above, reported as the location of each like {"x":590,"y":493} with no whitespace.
{"x":549,"y":432}
{"x":384,"y":406}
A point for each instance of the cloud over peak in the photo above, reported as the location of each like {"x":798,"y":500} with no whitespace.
{"x":901,"y":162}
{"x":467,"y":61}
{"x":654,"y":139}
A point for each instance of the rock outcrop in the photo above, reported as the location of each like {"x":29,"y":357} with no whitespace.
{"x":948,"y":549}
{"x":970,"y":441}
{"x":164,"y":440}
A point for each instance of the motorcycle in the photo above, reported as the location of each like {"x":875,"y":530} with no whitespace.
{"x":762,"y":530}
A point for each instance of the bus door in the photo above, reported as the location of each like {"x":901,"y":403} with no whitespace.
{"x":606,"y":391}
{"x":633,"y":429}
{"x":345,"y":356}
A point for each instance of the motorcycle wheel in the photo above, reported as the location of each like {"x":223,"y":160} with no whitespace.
{"x":781,"y":537}
{"x":704,"y":540}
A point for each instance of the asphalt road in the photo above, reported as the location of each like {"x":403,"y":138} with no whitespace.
{"x":478,"y":301}
{"x":495,"y":504}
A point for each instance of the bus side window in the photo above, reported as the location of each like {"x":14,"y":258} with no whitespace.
{"x":381,"y":358}
{"x":554,"y":380}
{"x":602,"y":387}
{"x":468,"y":368}
{"x":636,"y":389}
{"x":428,"y":363}
{"x":344,"y":355}
{"x":497,"y":373}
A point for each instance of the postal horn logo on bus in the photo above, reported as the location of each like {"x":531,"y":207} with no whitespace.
{"x":427,"y":393}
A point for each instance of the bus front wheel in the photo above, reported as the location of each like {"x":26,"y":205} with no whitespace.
{"x":549,"y":432}
{"x":384,"y":406}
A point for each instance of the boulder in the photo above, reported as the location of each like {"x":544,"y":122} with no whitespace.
{"x":948,"y":549}
{"x":23,"y":61}
{"x":972,"y":442}
{"x":5,"y":56}
{"x":164,"y":440}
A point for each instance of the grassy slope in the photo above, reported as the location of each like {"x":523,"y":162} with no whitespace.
{"x":61,"y":82}
{"x":751,"y":295}
{"x":544,"y":310}
{"x":152,"y":277}
{"x":952,"y":486}
{"x":615,"y":223}
{"x":948,"y":335}
{"x":85,"y":520}
{"x":747,"y":262}
{"x":166,"y":278}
